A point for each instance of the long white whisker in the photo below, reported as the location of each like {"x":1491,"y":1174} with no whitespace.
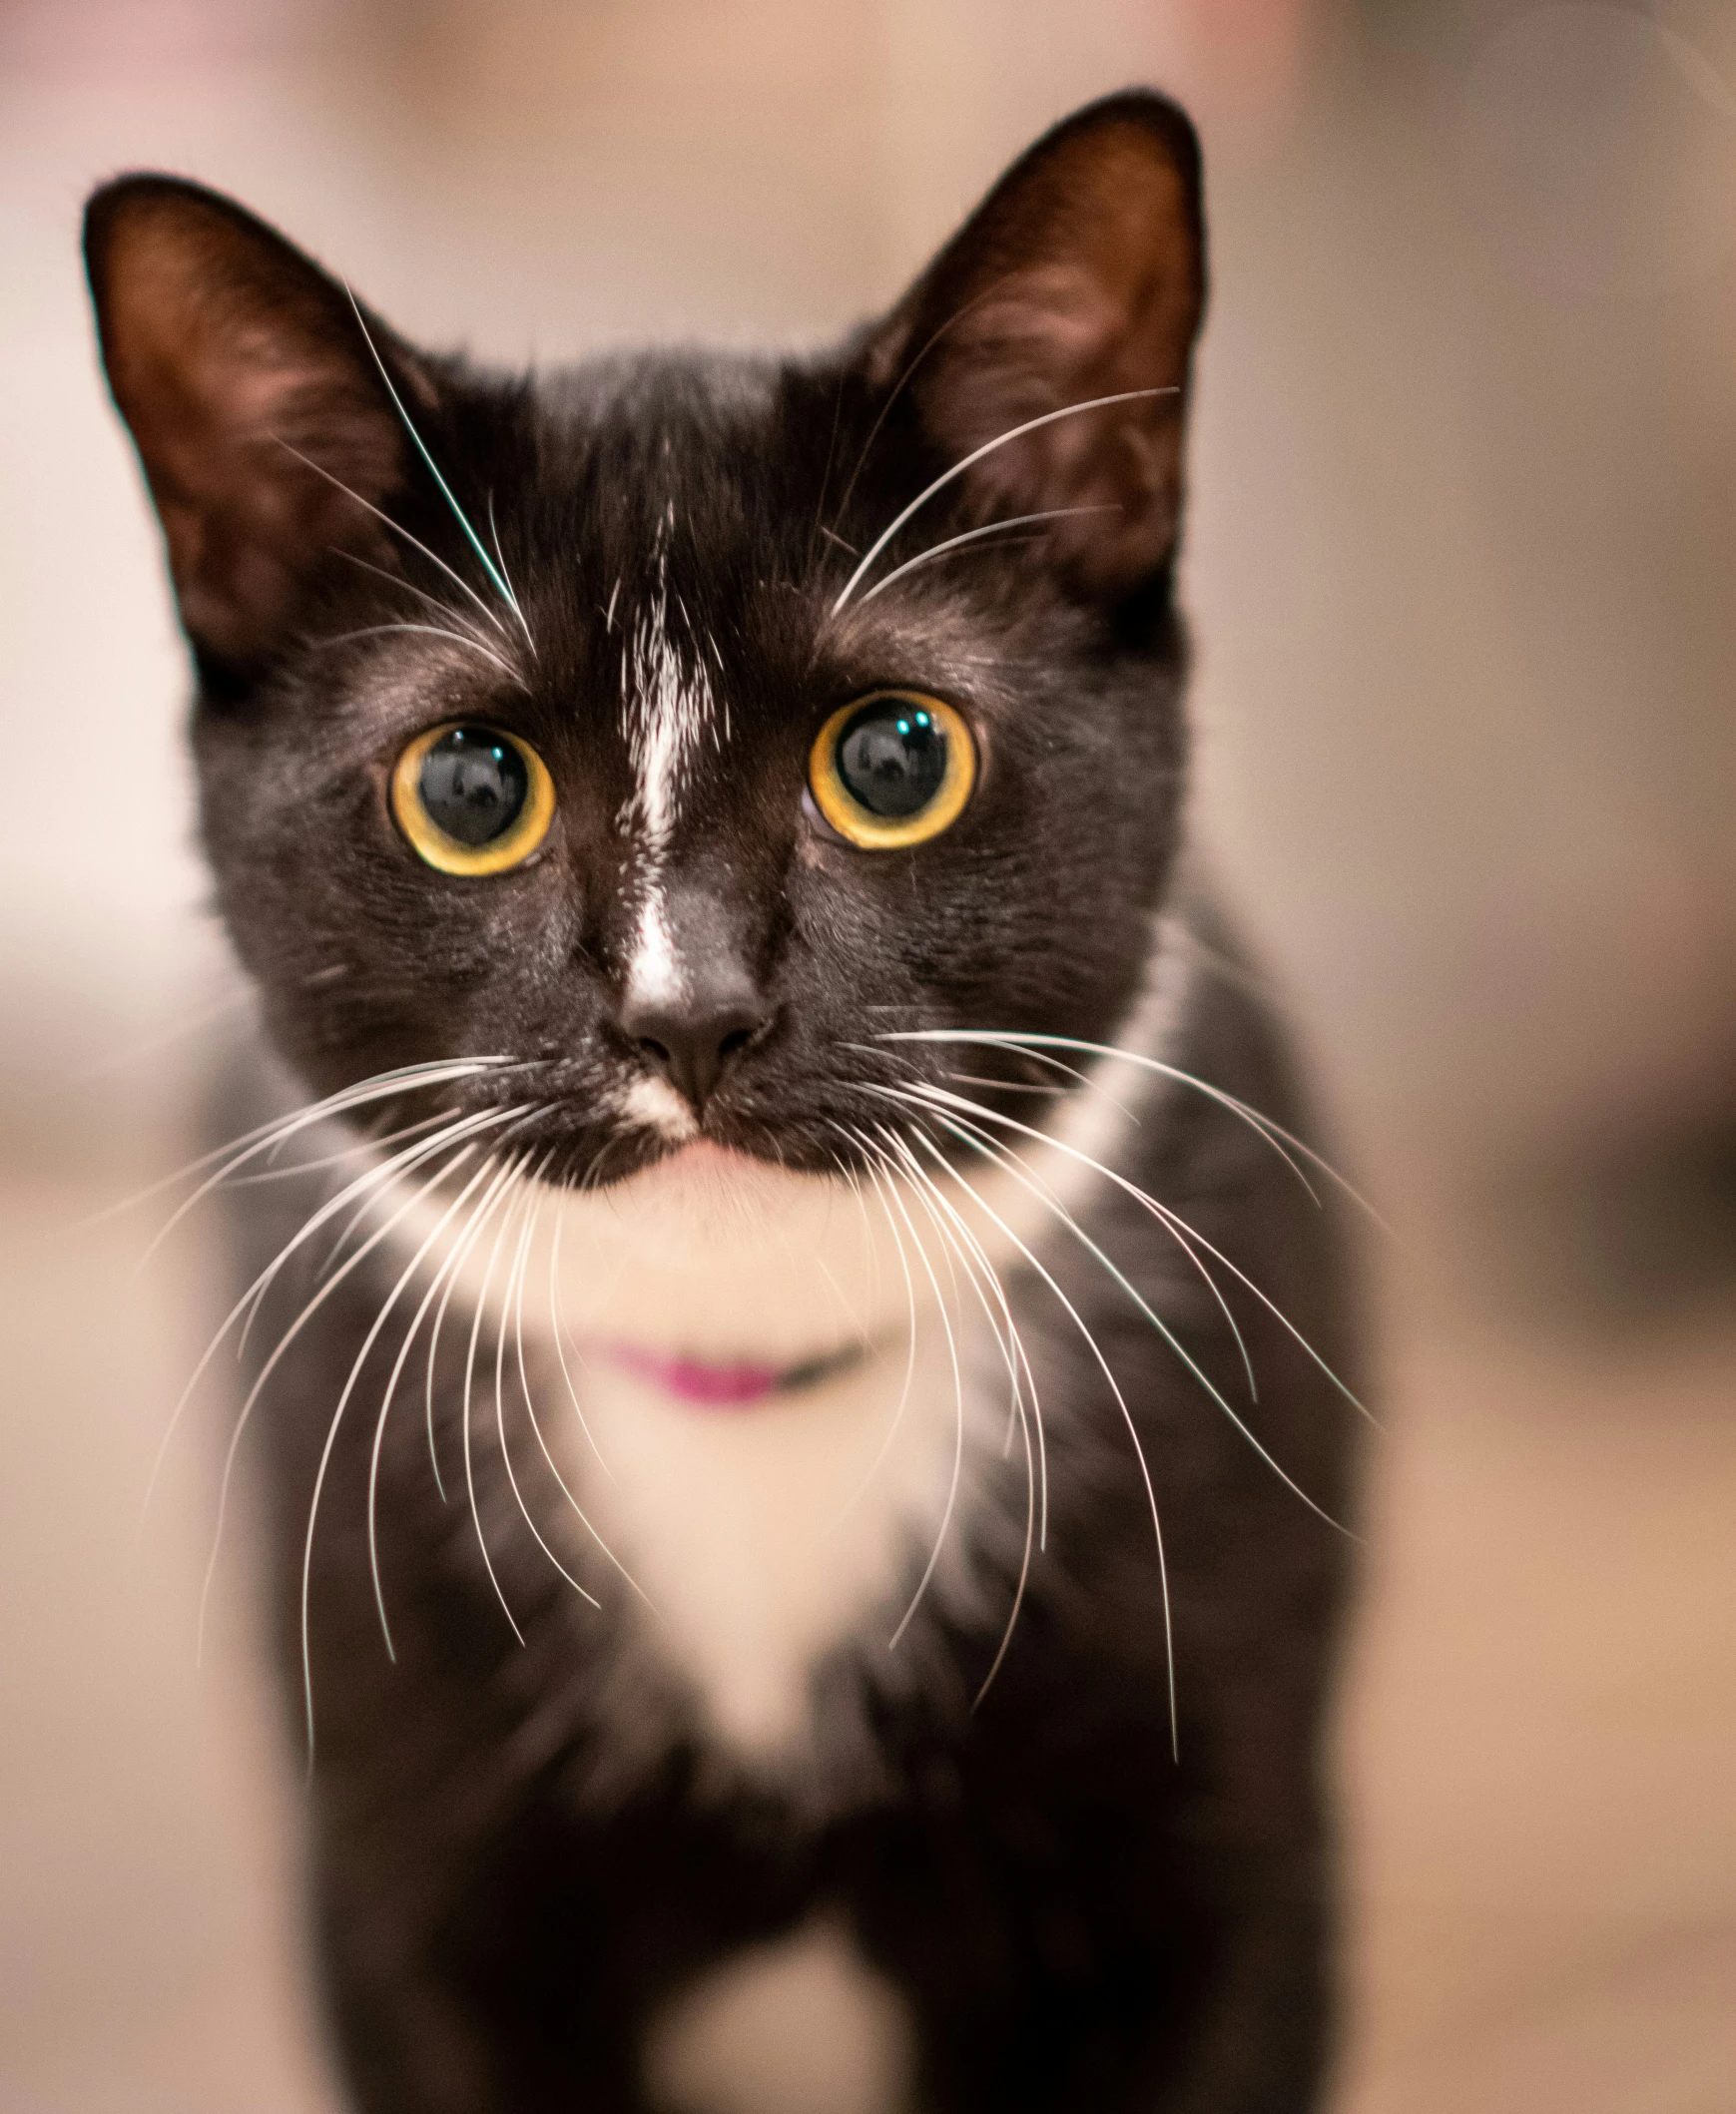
{"x":451,"y":1268}
{"x":958,"y":1439}
{"x":1013,"y":1352}
{"x":511,"y":591}
{"x":457,"y":579}
{"x":877,"y":1280}
{"x":1261,"y":1125}
{"x":400,"y":1163}
{"x":1107,"y":1371}
{"x":929,"y":1196}
{"x":432,"y":631}
{"x":463,"y":1196}
{"x":1171,"y":1226}
{"x":1005,"y":1086}
{"x":1179,"y":1230}
{"x":515,"y":1282}
{"x":366,"y":1188}
{"x":245,"y":1417}
{"x":361,"y":1209}
{"x":327,"y":1451}
{"x":498,"y":578}
{"x":379,"y":1087}
{"x":1000,"y":440}
{"x":979,"y":1142}
{"x":517,"y":1169}
{"x":986,"y":1263}
{"x":952,"y":1255}
{"x":891,"y":1430}
{"x":975,"y":535}
{"x":560,"y":1334}
{"x":326,"y":1161}
{"x":271,"y":1137}
{"x":433,"y":602}
{"x":1081,"y":1079}
{"x":1274,"y":1133}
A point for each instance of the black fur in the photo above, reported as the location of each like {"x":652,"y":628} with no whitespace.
{"x":505,"y":1886}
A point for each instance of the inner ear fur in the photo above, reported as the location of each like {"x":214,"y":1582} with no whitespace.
{"x":1082,"y":275}
{"x":231,"y":357}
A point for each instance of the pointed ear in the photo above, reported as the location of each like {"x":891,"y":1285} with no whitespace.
{"x":1081,"y":275}
{"x":244,"y":378}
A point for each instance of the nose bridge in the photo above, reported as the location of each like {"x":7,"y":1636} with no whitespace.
{"x":694,"y":938}
{"x":692,"y":1000}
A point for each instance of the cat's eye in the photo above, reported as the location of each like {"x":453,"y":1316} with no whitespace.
{"x":472,"y":800}
{"x":893,"y":770}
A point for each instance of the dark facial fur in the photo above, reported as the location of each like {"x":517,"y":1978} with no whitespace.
{"x":636,"y":567}
{"x":719,"y":501}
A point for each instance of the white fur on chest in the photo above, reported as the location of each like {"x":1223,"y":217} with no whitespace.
{"x":763,"y":1537}
{"x":803,"y":2026}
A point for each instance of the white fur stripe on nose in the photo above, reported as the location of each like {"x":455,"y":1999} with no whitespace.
{"x":667,"y":710}
{"x":655,"y":974}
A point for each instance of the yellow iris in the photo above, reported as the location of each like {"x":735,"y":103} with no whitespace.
{"x":893,"y":770}
{"x":471,"y":799}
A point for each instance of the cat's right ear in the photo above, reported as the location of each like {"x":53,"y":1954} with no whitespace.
{"x":258,"y":410}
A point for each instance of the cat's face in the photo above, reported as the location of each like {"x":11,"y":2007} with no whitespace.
{"x":558,"y":721}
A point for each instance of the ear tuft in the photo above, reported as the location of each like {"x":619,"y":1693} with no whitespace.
{"x":1080,"y":276}
{"x":242,"y":373}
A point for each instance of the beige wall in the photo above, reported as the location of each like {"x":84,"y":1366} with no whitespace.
{"x":1463,"y":565}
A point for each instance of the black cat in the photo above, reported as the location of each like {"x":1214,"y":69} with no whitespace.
{"x":827,"y":1624}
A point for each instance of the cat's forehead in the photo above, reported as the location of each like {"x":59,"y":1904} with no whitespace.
{"x":679,"y":534}
{"x":666,"y":440}
{"x":654,"y":506}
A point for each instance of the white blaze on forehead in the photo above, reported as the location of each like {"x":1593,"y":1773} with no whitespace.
{"x":667,"y":709}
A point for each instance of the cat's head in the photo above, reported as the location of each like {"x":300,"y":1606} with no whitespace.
{"x":685,"y":731}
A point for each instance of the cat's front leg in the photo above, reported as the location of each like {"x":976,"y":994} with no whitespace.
{"x":409,"y":2039}
{"x":1263,"y":2038}
{"x":419,"y":2028}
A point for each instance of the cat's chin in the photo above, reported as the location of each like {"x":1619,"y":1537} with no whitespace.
{"x":704,"y":1157}
{"x":703,"y":1174}
{"x":712,"y":1251}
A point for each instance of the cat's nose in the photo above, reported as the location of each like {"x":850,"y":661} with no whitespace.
{"x":694,"y":1039}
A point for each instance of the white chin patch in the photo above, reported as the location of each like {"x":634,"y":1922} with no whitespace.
{"x":709,"y":1253}
{"x":803,"y":2026}
{"x":652,"y":1104}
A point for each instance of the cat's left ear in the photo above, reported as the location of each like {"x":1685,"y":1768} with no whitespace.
{"x":1081,"y":275}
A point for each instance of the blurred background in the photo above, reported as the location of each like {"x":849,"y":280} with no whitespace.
{"x":1462,"y":562}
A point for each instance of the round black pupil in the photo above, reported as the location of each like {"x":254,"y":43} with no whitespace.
{"x":473,"y":785}
{"x":892,"y":760}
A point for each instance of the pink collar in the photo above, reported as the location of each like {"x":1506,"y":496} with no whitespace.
{"x":738,"y":1386}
